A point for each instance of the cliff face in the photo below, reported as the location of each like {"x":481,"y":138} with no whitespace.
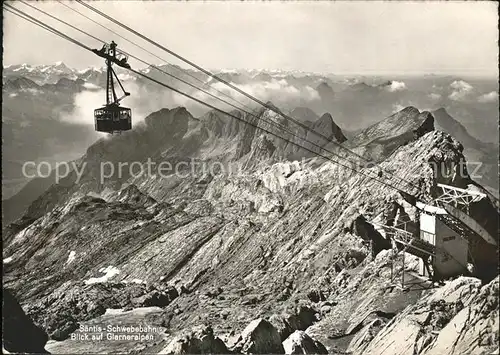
{"x":20,"y":335}
{"x":381,"y":139}
{"x":271,"y":239}
{"x":327,"y":127}
{"x":482,"y":157}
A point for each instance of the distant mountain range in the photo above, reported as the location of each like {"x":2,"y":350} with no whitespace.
{"x":47,"y":109}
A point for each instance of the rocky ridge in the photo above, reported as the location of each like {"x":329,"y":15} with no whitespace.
{"x":271,"y":247}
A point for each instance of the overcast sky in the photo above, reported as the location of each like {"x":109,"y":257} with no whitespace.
{"x":324,"y":37}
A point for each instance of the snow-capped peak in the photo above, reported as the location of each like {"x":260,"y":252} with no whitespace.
{"x":23,"y":66}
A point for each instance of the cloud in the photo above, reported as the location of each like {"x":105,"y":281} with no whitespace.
{"x":489,"y":97}
{"x":274,"y":90}
{"x":461,"y":90}
{"x":434,"y":96}
{"x":396,"y":86}
{"x":84,"y":104}
{"x":461,"y":85}
{"x":126,"y":77}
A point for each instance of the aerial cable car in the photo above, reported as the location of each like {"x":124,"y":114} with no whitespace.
{"x":112,"y":118}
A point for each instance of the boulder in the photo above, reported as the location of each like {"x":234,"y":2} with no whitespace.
{"x":259,"y":337}
{"x":213,"y":292}
{"x":200,"y":340}
{"x":301,"y":343}
{"x":304,"y":317}
{"x":299,"y":319}
{"x":283,"y":328}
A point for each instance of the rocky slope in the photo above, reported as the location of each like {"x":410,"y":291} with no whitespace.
{"x":259,"y":253}
{"x":460,"y":318}
{"x":382,"y":138}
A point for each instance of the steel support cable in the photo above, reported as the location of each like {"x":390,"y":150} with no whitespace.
{"x":133,"y":56}
{"x":206,"y":72}
{"x":171,"y":75}
{"x":146,"y":63}
{"x":183,"y":71}
{"x":231,"y":85}
{"x":164,"y":72}
{"x":59,"y":33}
{"x":275,"y":124}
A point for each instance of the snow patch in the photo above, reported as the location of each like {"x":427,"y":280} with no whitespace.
{"x":23,"y":66}
{"x":113,"y":311}
{"x":7,"y":260}
{"x":32,"y":91}
{"x":71,"y":257}
{"x":91,"y":69}
{"x":23,"y":234}
{"x":135,"y":311}
{"x":109,"y":272}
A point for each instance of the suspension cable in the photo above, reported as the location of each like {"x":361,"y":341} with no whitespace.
{"x":179,"y":69}
{"x":270,"y":107}
{"x":171,"y":75}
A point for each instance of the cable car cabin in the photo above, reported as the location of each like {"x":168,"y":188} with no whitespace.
{"x":113,"y":118}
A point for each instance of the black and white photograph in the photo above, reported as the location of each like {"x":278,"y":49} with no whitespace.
{"x":250,"y":177}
